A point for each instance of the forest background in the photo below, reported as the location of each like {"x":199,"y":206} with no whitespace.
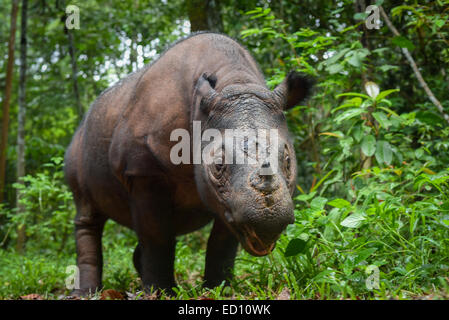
{"x":372,"y":144}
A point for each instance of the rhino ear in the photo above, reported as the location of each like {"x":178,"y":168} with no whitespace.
{"x":294,"y":89}
{"x":204,"y":92}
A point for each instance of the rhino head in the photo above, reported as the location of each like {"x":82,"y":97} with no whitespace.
{"x":253,"y":198}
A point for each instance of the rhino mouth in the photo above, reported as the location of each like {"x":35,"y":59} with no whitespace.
{"x":249,"y":239}
{"x":252,"y":243}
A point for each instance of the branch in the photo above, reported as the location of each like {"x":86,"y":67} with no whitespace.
{"x":415,"y":68}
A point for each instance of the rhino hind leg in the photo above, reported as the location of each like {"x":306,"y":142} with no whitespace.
{"x":220,"y":255}
{"x":88,"y":233}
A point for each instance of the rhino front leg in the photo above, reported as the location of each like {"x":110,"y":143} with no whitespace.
{"x":152,"y":220}
{"x":88,"y":233}
{"x":220,"y":255}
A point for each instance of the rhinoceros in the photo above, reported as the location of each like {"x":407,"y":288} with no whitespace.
{"x":119,"y":167}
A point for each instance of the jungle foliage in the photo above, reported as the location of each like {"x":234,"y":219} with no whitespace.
{"x":372,"y":206}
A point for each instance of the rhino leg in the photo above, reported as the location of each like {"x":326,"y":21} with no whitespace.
{"x":88,"y":232}
{"x":220,"y":255}
{"x":137,"y":259}
{"x":152,"y":220}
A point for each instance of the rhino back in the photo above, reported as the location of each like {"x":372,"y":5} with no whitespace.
{"x":164,"y":93}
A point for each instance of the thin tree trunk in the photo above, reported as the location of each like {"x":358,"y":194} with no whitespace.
{"x":214,"y":19}
{"x":204,"y":15}
{"x":196,"y":10}
{"x":6,"y":101}
{"x":76,"y":93}
{"x":21,"y":237}
{"x":133,"y":54}
{"x":418,"y":74}
{"x":360,"y":7}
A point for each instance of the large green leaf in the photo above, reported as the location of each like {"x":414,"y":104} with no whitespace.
{"x":334,"y":68}
{"x":356,"y":57}
{"x":382,"y":118}
{"x":349,"y":94}
{"x":403,"y":42}
{"x":384,"y":152}
{"x":354,"y":220}
{"x":385,"y":93}
{"x":368,"y":145}
{"x":318,"y":203}
{"x":295,"y":247}
{"x":339,"y":203}
{"x":363,"y":255}
{"x":348,"y":114}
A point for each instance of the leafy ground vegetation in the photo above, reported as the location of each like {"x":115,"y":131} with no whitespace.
{"x":372,"y":205}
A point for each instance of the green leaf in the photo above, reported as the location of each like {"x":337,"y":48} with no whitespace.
{"x":368,"y":145}
{"x":326,"y":276}
{"x":354,"y":220}
{"x":295,"y":247}
{"x":354,"y":102}
{"x":360,"y":15}
{"x":384,"y":152}
{"x":382,"y":119}
{"x":389,"y":111}
{"x":403,"y":42}
{"x":352,"y":94}
{"x":53,"y":25}
{"x":363,"y":255}
{"x":257,"y":10}
{"x":346,"y":145}
{"x":249,"y":32}
{"x":356,"y":57}
{"x":349,"y":114}
{"x":336,"y":56}
{"x":429,"y":117}
{"x":385,"y":93}
{"x":305,"y":197}
{"x":322,"y":180}
{"x":385,"y":68}
{"x":439,"y":23}
{"x":358,"y":133}
{"x":318,"y":203}
{"x":334,"y":68}
{"x":339,"y":203}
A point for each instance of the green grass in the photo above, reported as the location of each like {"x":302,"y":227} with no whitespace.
{"x":256,"y":278}
{"x":335,"y":250}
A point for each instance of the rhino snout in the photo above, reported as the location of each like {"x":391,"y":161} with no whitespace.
{"x":264,"y":183}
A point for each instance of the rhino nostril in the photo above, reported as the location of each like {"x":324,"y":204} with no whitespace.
{"x":264,"y":183}
{"x":266,"y":179}
{"x":266,"y":164}
{"x":269,"y":200}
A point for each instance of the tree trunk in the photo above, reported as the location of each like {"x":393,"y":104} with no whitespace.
{"x":21,"y":238}
{"x":133,"y":54}
{"x":415,"y":68}
{"x":204,"y":15}
{"x":79,"y":107}
{"x":6,"y":101}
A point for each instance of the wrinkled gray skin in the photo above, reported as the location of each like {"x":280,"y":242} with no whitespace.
{"x":118,"y":164}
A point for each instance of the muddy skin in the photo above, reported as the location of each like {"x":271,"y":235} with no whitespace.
{"x":118,"y":164}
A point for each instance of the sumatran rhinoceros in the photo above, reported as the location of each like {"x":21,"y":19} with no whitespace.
{"x":118,"y":164}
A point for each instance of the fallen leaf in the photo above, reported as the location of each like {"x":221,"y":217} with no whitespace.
{"x":33,"y":296}
{"x":111,"y":294}
{"x":284,"y":295}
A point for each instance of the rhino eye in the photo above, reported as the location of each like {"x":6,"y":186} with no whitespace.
{"x":287,"y":163}
{"x":217,"y":170}
{"x":217,"y":167}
